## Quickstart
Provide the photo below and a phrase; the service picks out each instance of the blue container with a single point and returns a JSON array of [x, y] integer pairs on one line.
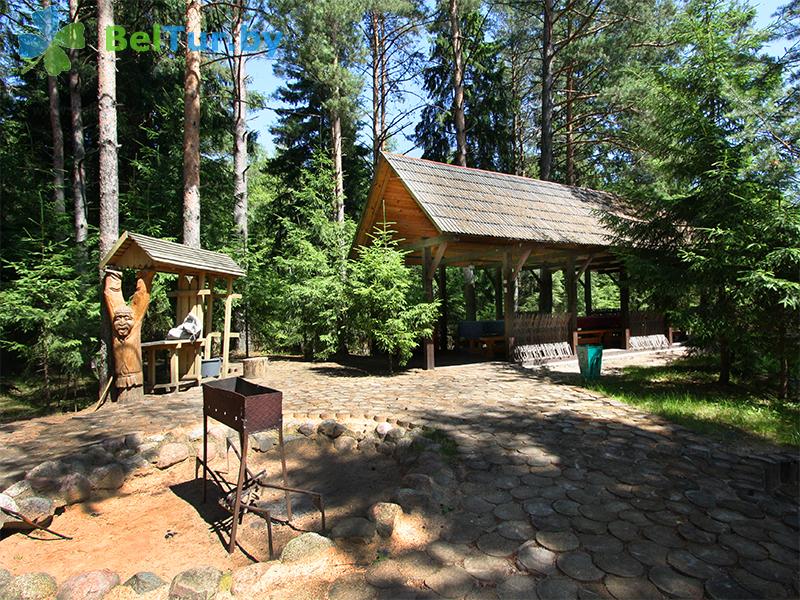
[[211, 367], [590, 360]]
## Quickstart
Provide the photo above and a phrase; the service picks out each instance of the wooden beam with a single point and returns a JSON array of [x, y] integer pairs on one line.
[[431, 241], [526, 252], [572, 295], [508, 304], [586, 265], [587, 291], [437, 258]]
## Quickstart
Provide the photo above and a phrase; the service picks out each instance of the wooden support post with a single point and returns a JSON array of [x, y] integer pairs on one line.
[[208, 325], [510, 281], [443, 315], [571, 285], [226, 332], [624, 307], [498, 294], [545, 290], [427, 284], [587, 291]]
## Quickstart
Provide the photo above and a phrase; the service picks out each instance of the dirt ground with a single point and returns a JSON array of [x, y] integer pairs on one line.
[[157, 522]]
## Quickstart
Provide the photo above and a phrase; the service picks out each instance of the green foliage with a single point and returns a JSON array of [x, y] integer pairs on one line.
[[711, 214], [379, 286], [487, 105], [44, 310]]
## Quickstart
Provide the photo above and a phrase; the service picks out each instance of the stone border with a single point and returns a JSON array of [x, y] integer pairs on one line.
[[107, 465]]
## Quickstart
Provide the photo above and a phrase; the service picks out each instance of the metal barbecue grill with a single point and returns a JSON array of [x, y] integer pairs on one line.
[[247, 408]]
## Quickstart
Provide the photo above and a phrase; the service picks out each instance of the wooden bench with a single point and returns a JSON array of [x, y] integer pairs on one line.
[[490, 343]]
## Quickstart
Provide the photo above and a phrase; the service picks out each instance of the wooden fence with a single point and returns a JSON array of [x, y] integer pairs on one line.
[[647, 323], [540, 328]]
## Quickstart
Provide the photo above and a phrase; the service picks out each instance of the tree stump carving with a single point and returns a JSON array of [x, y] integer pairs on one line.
[[126, 322]]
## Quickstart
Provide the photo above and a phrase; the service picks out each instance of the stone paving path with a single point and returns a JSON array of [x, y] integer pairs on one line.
[[564, 494]]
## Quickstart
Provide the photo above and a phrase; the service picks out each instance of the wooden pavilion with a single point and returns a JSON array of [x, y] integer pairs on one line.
[[204, 278], [447, 215]]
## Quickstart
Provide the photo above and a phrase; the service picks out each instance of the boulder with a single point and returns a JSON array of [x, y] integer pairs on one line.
[[75, 488], [414, 500], [37, 508], [7, 502], [134, 440], [262, 441], [149, 451], [246, 581], [345, 443], [107, 477], [45, 476], [98, 455], [383, 429], [386, 448], [395, 434], [19, 490], [114, 444], [355, 530], [307, 429], [144, 582], [88, 586], [31, 586], [307, 546], [384, 515], [195, 584], [171, 454], [331, 428]]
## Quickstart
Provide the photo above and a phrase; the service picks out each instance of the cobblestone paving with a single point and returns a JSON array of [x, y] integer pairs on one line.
[[563, 494]]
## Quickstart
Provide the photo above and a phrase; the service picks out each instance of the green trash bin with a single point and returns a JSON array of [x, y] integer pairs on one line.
[[590, 359]]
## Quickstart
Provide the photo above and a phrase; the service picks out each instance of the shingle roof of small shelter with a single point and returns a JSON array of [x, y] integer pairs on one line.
[[137, 251], [465, 201]]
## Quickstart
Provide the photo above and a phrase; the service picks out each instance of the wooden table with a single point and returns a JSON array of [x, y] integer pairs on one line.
[[171, 346]]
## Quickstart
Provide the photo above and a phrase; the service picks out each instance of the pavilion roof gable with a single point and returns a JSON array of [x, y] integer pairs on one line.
[[137, 251], [473, 202]]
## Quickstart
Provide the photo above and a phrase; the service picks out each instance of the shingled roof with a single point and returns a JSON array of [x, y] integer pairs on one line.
[[137, 251], [473, 202]]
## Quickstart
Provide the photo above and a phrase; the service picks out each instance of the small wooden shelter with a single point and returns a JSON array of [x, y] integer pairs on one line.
[[204, 278], [447, 215]]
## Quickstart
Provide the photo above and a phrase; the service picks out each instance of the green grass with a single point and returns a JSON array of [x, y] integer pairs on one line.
[[686, 392]]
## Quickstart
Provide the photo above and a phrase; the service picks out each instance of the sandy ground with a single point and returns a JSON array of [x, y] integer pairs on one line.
[[157, 522]]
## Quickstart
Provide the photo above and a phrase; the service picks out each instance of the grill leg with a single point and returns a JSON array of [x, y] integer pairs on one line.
[[237, 502], [205, 454], [285, 476]]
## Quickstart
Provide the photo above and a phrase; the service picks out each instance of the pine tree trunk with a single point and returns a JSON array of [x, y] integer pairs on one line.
[[376, 86], [240, 130], [336, 142], [78, 150], [570, 142], [546, 141], [725, 360], [517, 121], [108, 173], [461, 136], [57, 134], [458, 85], [191, 130], [384, 80]]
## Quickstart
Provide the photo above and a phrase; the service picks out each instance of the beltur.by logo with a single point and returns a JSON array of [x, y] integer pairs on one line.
[[253, 41], [49, 41]]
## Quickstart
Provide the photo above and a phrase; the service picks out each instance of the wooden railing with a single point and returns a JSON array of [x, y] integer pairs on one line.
[[647, 323], [540, 328]]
